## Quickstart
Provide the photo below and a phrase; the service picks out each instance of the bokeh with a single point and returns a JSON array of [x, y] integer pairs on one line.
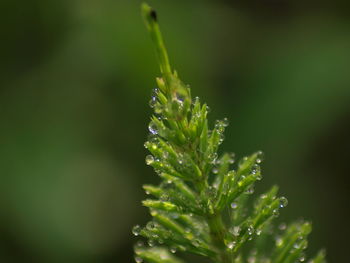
[[75, 80]]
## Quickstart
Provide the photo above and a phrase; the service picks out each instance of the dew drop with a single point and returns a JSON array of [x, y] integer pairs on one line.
[[149, 159], [250, 230], [155, 92], [275, 213], [231, 245], [153, 101], [260, 156], [234, 205], [221, 138], [180, 97], [258, 232], [283, 202], [164, 197], [138, 259], [152, 127], [279, 241], [305, 245], [235, 231], [252, 259], [195, 242], [136, 230], [225, 122], [282, 226], [213, 157], [151, 242], [173, 250], [158, 108], [165, 155], [140, 243], [150, 225], [250, 190]]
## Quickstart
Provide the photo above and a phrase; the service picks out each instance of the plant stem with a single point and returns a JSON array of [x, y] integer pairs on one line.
[[150, 18], [217, 233]]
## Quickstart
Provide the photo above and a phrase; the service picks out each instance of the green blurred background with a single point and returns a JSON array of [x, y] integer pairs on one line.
[[76, 77]]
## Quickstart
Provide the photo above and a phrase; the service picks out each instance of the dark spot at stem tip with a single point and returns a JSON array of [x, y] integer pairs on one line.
[[153, 14]]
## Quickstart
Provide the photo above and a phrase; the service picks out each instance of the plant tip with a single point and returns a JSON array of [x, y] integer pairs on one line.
[[149, 14]]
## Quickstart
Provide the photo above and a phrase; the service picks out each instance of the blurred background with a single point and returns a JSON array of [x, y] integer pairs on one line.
[[75, 81]]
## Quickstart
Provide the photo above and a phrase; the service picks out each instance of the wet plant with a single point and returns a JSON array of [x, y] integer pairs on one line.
[[202, 205]]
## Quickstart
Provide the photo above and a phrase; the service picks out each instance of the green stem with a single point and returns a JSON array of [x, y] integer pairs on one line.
[[217, 233], [150, 18]]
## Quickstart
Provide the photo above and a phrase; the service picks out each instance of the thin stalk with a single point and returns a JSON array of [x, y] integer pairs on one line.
[[217, 233], [150, 17]]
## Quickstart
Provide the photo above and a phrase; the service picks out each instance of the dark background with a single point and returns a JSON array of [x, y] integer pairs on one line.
[[75, 81]]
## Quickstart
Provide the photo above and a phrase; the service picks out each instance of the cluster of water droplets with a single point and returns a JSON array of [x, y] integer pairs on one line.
[[220, 126]]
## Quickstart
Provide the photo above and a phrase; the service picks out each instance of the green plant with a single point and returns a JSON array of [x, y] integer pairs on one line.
[[201, 205]]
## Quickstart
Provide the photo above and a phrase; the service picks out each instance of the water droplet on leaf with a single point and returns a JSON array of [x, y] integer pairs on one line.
[[152, 127], [149, 159], [136, 230]]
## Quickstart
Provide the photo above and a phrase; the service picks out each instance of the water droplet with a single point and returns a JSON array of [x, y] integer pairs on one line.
[[150, 225], [152, 127], [225, 122], [195, 242], [260, 155], [250, 230], [275, 213], [149, 159], [221, 138], [283, 202], [158, 108], [234, 205], [305, 244], [215, 170], [174, 215], [263, 196], [231, 245], [282, 226], [151, 242], [250, 190], [279, 241], [155, 92], [140, 243], [164, 197], [258, 232], [296, 245], [173, 250], [180, 97], [212, 157], [138, 259], [136, 230], [236, 230], [196, 100], [252, 259], [153, 102]]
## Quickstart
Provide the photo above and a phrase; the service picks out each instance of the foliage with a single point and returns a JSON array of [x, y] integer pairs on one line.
[[202, 204]]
